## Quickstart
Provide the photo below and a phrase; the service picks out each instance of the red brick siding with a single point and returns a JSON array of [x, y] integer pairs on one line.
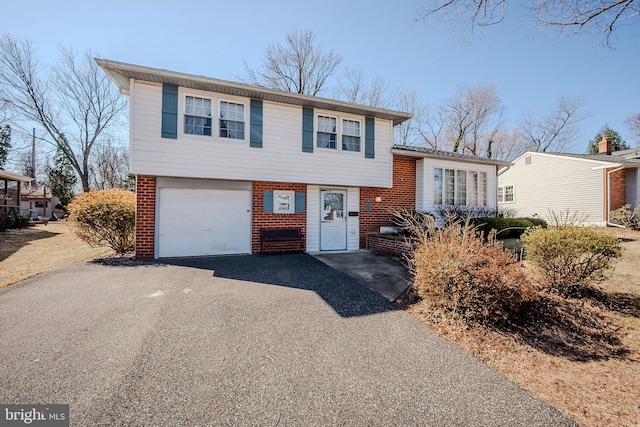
[[145, 216], [272, 220], [402, 195], [618, 182], [394, 245]]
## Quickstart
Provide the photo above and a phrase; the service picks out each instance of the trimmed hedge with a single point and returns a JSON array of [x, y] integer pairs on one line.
[[105, 217], [513, 227]]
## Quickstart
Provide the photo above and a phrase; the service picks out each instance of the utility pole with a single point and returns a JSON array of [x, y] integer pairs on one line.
[[34, 184]]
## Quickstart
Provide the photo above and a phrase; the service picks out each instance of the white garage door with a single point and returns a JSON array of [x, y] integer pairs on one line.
[[195, 222]]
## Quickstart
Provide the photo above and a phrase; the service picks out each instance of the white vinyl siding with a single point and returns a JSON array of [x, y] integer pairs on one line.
[[556, 183], [280, 159]]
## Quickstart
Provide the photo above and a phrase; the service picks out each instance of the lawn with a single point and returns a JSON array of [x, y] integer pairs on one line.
[[583, 358], [33, 250]]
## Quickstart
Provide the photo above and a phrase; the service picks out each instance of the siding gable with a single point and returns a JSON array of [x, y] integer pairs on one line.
[[169, 111]]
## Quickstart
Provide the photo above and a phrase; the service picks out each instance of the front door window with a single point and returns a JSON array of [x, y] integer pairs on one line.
[[333, 206]]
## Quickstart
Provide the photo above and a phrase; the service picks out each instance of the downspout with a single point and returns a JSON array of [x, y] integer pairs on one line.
[[607, 222]]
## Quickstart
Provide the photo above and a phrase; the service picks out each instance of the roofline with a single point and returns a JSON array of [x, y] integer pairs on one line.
[[436, 155], [570, 156], [121, 73], [14, 177]]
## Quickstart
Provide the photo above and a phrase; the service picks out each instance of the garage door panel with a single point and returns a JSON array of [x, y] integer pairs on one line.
[[203, 222]]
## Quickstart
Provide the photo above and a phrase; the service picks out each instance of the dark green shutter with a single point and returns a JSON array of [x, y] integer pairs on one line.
[[299, 202], [369, 138], [169, 111], [255, 135], [307, 130], [267, 201]]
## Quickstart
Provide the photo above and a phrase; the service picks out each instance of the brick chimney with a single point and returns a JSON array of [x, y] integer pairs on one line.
[[604, 146]]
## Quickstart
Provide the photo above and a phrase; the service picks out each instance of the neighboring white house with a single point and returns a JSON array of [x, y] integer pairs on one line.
[[588, 185], [39, 203], [217, 161]]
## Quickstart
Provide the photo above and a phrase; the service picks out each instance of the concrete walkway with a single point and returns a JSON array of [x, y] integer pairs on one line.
[[384, 274], [276, 340]]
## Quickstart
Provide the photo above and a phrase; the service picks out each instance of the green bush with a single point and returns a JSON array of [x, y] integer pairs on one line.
[[506, 228], [570, 258], [460, 272], [105, 217], [16, 220]]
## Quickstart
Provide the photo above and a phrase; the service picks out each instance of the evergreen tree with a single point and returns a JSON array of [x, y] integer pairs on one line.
[[62, 179], [5, 144], [617, 143]]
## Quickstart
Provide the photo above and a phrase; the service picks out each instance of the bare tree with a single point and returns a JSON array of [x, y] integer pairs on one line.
[[633, 124], [408, 132], [297, 65], [74, 103], [109, 165], [555, 131], [431, 127], [352, 87], [507, 145], [472, 119], [599, 16]]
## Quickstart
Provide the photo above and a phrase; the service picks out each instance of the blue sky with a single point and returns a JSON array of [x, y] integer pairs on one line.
[[529, 65]]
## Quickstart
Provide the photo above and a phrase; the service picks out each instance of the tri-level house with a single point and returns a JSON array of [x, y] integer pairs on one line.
[[217, 161]]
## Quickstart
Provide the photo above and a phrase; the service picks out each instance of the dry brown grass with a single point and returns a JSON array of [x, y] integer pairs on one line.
[[581, 357], [34, 250]]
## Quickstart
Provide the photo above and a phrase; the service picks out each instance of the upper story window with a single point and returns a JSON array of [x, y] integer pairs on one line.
[[199, 113], [197, 116], [350, 135], [327, 132], [231, 120]]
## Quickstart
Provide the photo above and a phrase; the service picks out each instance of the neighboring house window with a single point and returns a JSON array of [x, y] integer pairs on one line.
[[197, 116], [459, 187], [500, 194], [283, 202], [327, 132], [350, 135], [231, 120], [527, 160], [509, 194]]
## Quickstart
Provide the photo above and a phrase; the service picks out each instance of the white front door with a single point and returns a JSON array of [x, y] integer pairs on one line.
[[333, 220]]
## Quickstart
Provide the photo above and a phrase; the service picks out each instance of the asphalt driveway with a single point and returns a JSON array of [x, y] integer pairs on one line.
[[275, 340]]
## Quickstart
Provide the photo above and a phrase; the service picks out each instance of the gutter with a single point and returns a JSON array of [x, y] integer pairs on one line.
[[503, 170]]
